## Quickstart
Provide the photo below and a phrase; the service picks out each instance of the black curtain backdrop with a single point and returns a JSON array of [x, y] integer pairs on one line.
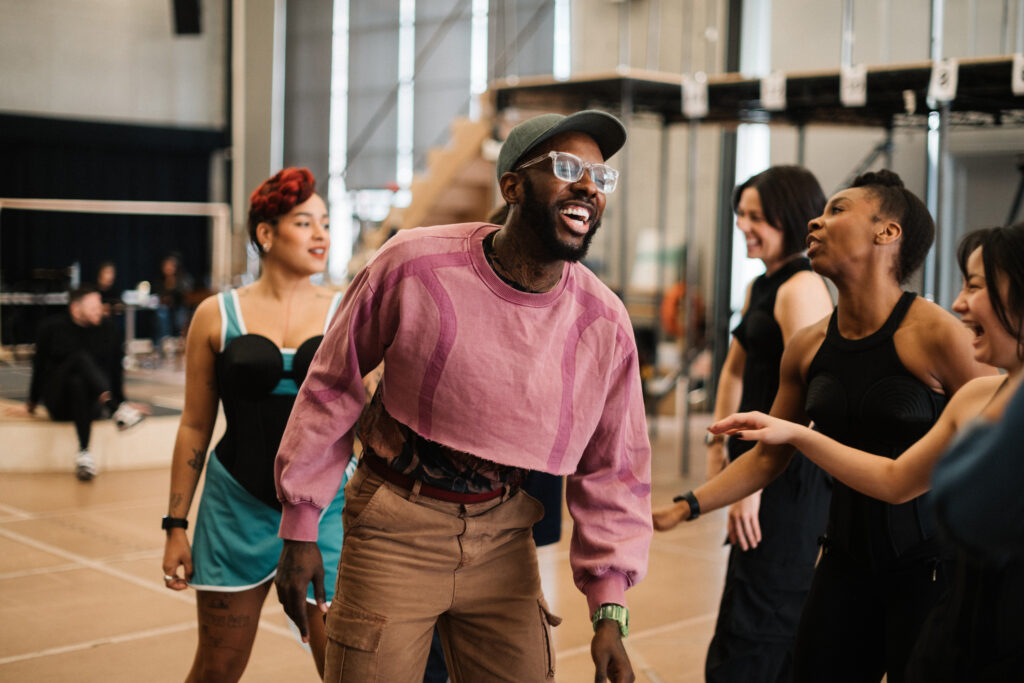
[[68, 159]]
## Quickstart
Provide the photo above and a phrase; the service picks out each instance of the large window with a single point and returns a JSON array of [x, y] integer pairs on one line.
[[402, 72]]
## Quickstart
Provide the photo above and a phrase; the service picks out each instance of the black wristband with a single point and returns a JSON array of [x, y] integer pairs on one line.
[[169, 523], [691, 500]]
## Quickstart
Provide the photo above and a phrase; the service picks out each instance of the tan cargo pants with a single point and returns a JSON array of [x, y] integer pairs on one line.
[[410, 561]]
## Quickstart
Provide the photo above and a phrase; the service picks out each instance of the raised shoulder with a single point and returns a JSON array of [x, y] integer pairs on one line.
[[972, 398], [206, 322], [413, 243], [804, 282], [936, 348], [746, 297], [928, 312], [802, 300]]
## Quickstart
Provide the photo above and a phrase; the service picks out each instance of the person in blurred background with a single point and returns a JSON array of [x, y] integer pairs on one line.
[[76, 374], [171, 287], [106, 276]]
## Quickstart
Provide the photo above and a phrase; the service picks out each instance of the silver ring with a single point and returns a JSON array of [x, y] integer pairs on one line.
[[168, 578]]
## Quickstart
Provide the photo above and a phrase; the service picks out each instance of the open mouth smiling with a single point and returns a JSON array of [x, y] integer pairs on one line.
[[576, 217], [974, 327]]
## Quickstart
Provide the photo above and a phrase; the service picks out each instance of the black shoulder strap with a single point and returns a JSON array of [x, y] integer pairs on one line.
[[899, 312]]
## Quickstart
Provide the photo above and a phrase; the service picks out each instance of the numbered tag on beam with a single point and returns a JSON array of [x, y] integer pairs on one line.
[[853, 85], [773, 91], [942, 87], [695, 96], [1017, 80]]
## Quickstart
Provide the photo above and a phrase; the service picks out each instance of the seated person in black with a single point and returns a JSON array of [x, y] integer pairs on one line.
[[76, 372], [874, 375]]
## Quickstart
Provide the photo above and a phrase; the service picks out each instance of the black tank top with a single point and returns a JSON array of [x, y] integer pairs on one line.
[[761, 337], [860, 394]]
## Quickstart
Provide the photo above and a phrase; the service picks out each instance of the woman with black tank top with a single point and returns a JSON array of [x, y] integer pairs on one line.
[[875, 375], [974, 634], [249, 349], [773, 532]]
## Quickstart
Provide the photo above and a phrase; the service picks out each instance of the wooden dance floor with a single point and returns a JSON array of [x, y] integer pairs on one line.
[[82, 599]]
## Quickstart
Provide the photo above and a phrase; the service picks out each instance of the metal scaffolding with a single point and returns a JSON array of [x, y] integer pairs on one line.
[[897, 96]]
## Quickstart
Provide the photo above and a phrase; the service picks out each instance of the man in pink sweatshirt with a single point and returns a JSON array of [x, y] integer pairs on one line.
[[502, 354]]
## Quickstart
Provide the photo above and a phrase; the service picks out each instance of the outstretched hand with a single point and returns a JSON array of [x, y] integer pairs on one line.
[[670, 516], [299, 565], [756, 426], [611, 663]]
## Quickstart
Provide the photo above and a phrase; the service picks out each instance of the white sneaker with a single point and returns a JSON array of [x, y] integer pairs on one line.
[[85, 466], [126, 416]]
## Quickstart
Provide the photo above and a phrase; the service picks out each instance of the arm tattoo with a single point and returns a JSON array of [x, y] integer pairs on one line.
[[176, 500], [196, 463]]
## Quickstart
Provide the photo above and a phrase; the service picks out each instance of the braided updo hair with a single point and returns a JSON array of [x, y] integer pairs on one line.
[[276, 196], [896, 201]]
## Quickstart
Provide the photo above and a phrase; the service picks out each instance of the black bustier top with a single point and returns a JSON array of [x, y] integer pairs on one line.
[[257, 383], [860, 394]]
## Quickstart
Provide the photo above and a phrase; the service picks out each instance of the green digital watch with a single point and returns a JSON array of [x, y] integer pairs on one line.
[[616, 613]]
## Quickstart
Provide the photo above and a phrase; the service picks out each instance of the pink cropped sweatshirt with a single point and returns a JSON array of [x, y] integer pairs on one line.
[[544, 381]]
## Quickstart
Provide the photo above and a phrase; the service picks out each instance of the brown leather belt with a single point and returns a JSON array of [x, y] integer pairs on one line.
[[379, 467]]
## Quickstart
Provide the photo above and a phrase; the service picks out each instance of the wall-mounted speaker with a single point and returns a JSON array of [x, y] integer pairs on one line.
[[186, 17]]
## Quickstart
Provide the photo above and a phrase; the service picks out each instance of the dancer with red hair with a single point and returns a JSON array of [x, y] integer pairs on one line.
[[249, 349]]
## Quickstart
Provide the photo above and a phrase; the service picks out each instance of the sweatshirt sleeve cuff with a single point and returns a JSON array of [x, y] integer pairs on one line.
[[299, 521], [611, 587]]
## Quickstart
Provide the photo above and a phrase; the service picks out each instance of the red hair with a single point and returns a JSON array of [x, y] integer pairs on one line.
[[278, 195]]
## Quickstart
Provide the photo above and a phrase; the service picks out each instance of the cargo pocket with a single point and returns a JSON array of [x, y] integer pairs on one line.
[[359, 503], [353, 644], [534, 511], [547, 622]]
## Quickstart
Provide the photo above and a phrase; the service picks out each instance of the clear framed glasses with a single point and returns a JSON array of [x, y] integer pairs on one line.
[[570, 168]]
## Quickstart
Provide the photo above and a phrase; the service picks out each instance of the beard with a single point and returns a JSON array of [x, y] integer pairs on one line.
[[543, 220]]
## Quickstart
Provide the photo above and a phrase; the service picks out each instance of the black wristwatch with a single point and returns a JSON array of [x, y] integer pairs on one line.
[[169, 523], [691, 500]]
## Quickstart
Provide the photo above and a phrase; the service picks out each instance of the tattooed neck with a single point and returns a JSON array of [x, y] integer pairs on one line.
[[519, 274]]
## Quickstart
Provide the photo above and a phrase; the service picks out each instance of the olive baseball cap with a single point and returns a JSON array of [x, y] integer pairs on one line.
[[607, 131]]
